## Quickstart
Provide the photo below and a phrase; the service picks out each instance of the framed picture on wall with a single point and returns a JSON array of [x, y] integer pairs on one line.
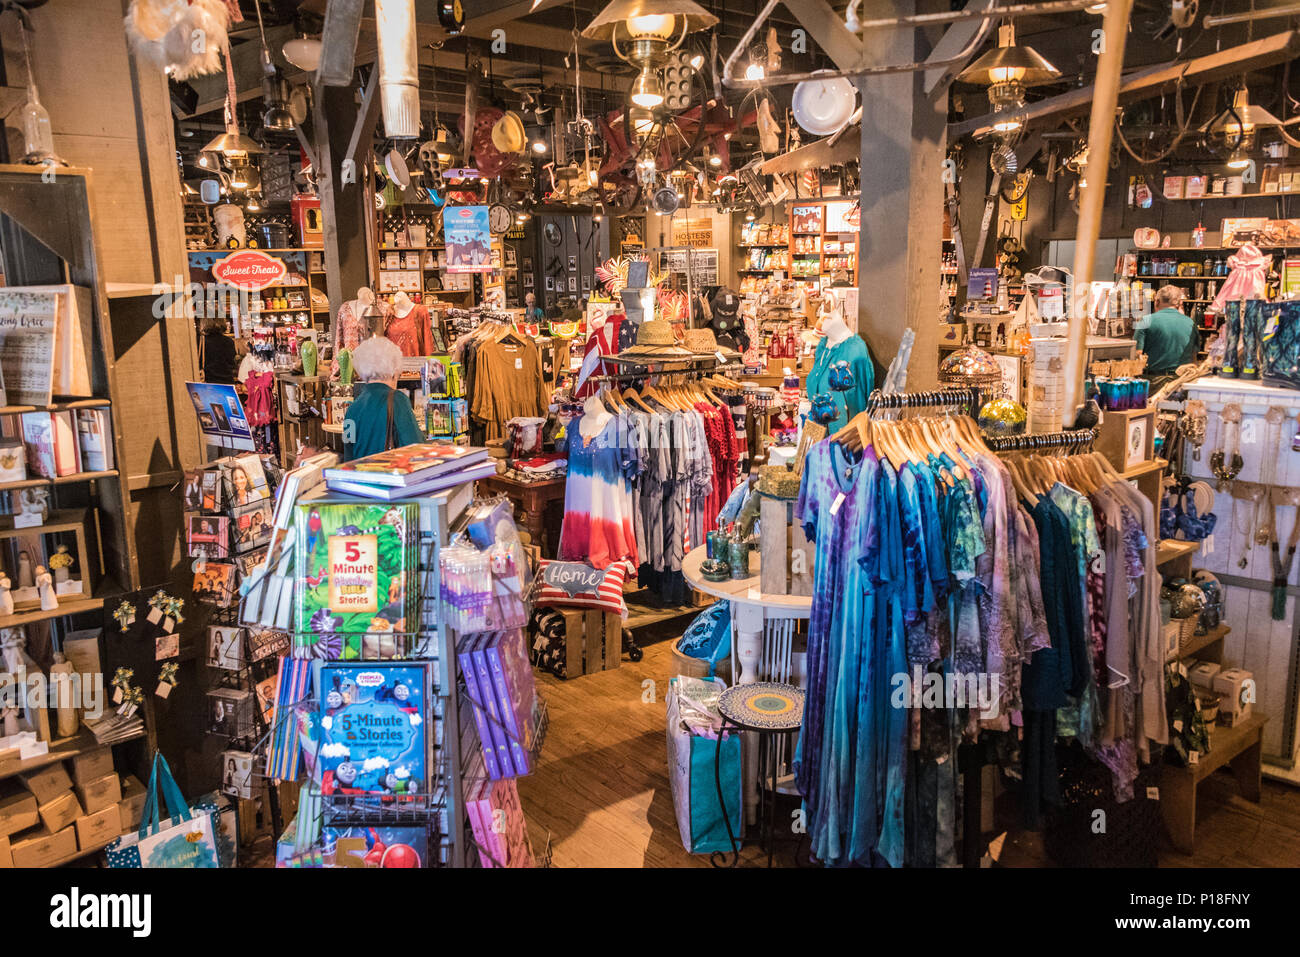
[[510, 255]]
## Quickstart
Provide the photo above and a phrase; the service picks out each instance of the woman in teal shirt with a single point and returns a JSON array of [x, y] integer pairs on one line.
[[380, 417]]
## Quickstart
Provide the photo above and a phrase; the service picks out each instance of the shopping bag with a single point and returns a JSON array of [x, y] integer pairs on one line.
[[185, 840], [694, 786]]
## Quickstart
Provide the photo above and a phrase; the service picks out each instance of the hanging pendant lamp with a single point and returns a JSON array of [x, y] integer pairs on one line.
[[232, 144]]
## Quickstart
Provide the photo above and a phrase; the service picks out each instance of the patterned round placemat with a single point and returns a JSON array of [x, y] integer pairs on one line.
[[763, 706]]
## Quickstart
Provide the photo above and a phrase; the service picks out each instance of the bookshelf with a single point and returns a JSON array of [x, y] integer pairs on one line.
[[48, 236]]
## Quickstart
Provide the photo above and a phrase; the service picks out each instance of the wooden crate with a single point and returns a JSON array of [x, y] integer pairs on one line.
[[593, 641]]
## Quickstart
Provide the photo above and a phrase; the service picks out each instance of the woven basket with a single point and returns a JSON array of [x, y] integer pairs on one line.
[[1132, 828]]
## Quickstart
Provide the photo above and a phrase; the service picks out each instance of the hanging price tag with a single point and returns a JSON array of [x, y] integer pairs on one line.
[[835, 505]]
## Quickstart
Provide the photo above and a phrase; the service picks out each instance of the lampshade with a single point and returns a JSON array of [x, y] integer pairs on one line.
[[648, 17], [232, 143], [303, 52], [1009, 63], [1251, 117]]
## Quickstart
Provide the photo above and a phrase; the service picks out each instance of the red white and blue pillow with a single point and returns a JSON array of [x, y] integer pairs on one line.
[[578, 585]]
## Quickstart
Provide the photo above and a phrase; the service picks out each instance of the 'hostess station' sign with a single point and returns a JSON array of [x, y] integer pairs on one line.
[[249, 269]]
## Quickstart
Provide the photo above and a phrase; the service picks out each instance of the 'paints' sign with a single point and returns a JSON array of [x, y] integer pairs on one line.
[[249, 269]]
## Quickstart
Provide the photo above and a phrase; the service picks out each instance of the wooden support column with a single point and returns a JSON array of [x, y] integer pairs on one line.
[[1100, 127], [904, 139], [343, 205]]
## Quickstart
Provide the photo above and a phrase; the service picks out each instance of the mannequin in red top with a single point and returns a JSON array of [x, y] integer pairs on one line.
[[410, 327]]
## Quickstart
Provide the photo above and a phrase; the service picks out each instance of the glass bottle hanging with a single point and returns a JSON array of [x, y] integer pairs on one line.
[[37, 132]]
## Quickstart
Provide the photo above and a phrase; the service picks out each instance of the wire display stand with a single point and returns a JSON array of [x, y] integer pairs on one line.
[[453, 740]]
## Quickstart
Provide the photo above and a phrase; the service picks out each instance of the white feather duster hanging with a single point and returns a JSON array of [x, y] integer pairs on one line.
[[186, 37]]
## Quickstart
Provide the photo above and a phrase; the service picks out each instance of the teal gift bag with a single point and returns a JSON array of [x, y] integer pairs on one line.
[[187, 839], [694, 785]]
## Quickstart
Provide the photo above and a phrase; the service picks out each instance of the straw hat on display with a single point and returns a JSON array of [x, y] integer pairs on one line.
[[703, 342], [654, 341]]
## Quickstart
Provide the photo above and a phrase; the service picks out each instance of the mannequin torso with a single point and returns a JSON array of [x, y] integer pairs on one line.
[[594, 419]]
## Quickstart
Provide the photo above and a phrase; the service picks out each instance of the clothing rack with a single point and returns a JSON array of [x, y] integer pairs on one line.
[[638, 376], [1074, 442], [965, 398]]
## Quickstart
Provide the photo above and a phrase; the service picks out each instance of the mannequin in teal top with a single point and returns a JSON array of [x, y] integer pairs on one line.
[[839, 344]]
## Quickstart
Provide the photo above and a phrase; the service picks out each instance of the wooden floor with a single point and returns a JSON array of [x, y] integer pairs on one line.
[[600, 794]]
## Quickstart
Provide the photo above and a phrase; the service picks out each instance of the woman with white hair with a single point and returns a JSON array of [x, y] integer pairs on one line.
[[380, 417]]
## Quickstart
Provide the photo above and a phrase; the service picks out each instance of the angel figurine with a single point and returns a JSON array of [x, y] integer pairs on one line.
[[45, 586]]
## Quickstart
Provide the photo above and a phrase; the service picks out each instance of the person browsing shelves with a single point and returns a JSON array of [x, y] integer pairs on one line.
[[380, 417]]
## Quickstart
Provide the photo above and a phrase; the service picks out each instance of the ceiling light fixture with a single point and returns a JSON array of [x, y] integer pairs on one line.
[[1233, 130], [1007, 70], [647, 90], [651, 29], [303, 52]]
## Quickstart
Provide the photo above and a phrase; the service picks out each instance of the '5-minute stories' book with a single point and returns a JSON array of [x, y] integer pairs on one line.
[[356, 569], [373, 722]]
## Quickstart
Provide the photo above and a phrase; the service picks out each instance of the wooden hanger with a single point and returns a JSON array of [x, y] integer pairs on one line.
[[633, 397]]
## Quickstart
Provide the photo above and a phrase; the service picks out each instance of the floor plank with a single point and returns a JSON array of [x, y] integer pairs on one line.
[[600, 793]]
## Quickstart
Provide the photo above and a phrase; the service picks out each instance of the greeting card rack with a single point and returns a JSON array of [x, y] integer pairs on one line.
[[246, 678]]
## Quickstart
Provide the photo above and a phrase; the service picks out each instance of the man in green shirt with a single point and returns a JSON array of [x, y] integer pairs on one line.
[[1166, 336]]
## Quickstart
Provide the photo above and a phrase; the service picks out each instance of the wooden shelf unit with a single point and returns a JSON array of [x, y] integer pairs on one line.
[[49, 238]]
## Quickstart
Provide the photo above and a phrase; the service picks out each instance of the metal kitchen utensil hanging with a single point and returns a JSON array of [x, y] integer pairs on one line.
[[665, 200], [822, 106]]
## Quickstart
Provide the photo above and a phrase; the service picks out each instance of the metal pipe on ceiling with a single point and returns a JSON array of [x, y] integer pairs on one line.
[[1224, 19], [1014, 10]]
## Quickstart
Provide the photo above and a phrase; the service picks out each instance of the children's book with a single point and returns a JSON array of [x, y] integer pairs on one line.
[[408, 465], [373, 728], [375, 846], [356, 574]]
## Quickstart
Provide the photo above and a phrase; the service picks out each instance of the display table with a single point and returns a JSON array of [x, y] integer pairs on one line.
[[763, 632], [534, 498], [1240, 748]]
